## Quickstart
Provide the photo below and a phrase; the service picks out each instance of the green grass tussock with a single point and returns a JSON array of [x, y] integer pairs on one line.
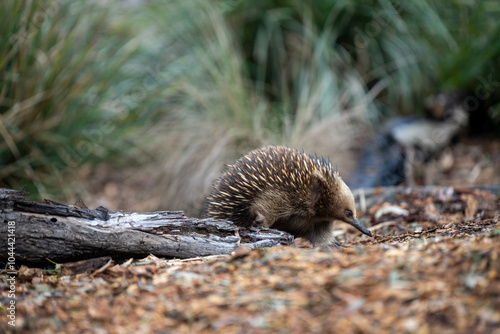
[[60, 74]]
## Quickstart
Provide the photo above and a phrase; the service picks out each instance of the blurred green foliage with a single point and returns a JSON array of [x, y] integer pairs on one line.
[[83, 83], [61, 75], [413, 48]]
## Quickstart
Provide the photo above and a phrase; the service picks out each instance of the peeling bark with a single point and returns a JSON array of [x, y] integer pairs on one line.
[[70, 233]]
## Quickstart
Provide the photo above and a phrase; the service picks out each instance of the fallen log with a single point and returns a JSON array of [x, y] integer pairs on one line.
[[61, 233]]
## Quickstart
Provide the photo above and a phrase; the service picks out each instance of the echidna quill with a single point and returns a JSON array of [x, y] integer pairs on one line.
[[285, 189]]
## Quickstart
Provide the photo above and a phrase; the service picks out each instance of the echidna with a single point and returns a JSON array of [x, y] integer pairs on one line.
[[287, 190]]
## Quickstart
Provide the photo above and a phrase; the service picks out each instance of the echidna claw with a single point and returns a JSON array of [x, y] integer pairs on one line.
[[337, 245]]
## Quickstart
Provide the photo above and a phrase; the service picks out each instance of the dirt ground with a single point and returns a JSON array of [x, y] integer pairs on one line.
[[433, 266]]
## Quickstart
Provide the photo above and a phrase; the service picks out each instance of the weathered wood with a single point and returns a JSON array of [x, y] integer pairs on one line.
[[68, 233]]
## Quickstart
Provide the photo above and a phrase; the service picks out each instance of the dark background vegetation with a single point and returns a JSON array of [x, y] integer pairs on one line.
[[146, 100]]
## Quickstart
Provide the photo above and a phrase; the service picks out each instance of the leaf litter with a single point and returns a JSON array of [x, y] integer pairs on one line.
[[433, 265]]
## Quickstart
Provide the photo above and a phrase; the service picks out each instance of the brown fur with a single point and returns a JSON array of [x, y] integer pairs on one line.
[[285, 189]]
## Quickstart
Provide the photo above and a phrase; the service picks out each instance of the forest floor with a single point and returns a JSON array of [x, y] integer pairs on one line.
[[433, 266]]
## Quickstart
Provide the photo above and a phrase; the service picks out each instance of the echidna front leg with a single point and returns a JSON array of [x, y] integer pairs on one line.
[[267, 207], [259, 220]]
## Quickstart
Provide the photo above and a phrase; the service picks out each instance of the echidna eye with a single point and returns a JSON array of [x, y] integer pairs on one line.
[[348, 213]]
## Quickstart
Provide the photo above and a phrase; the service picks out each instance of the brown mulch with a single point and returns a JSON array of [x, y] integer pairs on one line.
[[433, 266]]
